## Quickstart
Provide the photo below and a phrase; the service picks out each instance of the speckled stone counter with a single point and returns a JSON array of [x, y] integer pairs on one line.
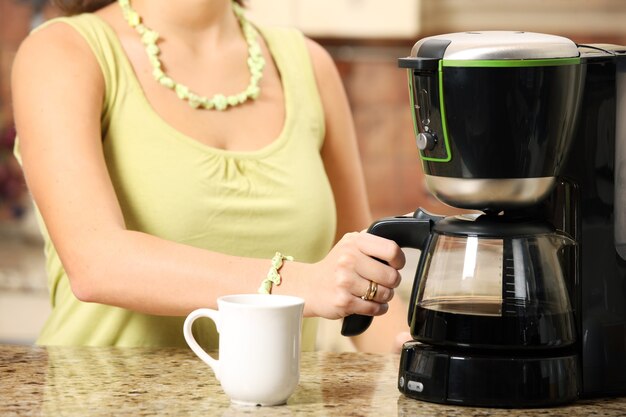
[[144, 382]]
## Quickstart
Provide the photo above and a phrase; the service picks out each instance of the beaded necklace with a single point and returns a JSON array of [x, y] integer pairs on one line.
[[220, 102]]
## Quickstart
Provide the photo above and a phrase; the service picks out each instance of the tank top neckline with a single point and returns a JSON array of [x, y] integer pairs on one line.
[[278, 142]]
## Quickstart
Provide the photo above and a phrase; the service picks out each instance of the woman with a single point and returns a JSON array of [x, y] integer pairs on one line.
[[172, 149]]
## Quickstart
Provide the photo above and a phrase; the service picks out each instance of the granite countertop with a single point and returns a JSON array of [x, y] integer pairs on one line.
[[62, 381]]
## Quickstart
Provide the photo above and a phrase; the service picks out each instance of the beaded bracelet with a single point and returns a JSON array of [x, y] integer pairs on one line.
[[273, 277]]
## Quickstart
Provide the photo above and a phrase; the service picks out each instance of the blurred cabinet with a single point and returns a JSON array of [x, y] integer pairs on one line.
[[581, 20], [342, 18]]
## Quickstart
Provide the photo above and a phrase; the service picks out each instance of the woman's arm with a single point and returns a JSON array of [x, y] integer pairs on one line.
[[340, 151], [343, 166], [58, 93]]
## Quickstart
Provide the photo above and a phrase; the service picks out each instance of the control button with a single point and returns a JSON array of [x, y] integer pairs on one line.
[[426, 141], [415, 386], [401, 382]]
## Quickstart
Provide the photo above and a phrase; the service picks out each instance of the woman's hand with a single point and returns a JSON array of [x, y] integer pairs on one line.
[[344, 276]]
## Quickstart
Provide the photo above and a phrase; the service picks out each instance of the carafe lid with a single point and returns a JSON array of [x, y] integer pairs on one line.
[[492, 226], [494, 45]]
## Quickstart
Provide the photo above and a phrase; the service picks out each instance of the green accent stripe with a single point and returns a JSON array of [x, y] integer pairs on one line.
[[444, 119], [510, 62]]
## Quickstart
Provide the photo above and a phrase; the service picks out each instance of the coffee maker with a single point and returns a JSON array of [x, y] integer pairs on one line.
[[521, 303]]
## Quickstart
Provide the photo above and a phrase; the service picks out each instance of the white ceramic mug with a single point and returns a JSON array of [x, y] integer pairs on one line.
[[259, 346]]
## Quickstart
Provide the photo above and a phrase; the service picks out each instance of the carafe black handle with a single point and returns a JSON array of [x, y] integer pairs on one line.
[[407, 232]]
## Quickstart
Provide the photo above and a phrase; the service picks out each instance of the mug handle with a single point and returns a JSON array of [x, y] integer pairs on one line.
[[191, 341]]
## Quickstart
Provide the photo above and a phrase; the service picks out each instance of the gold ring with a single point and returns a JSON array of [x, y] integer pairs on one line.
[[374, 286], [371, 291]]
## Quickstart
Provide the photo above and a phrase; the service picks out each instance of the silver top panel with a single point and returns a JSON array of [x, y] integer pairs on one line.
[[489, 45]]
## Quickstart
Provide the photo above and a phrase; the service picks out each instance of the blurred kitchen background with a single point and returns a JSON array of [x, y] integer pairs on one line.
[[365, 37]]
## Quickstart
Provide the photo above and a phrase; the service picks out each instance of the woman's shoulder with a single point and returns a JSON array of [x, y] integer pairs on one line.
[[319, 55], [67, 28], [292, 38], [54, 50], [79, 43], [322, 62], [58, 39]]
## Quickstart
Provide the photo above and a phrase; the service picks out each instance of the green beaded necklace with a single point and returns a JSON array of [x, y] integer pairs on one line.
[[220, 102]]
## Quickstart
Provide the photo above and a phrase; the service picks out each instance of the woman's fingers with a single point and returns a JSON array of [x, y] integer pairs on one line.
[[361, 274], [381, 294], [380, 248]]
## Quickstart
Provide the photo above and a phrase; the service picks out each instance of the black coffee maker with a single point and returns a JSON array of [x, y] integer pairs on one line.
[[523, 304]]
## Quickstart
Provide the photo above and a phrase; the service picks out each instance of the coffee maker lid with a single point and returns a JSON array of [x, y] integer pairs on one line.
[[494, 45]]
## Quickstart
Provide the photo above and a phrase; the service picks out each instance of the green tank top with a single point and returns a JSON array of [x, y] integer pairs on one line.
[[169, 185]]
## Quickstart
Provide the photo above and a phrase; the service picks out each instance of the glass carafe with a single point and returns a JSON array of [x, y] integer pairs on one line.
[[490, 282]]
